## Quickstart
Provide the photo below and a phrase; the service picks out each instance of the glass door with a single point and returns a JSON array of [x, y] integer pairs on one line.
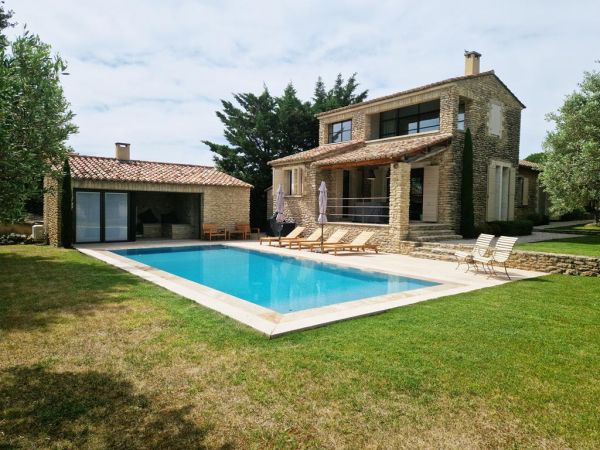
[[116, 217], [87, 216]]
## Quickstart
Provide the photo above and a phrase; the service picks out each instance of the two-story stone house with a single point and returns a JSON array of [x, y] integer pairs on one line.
[[393, 164]]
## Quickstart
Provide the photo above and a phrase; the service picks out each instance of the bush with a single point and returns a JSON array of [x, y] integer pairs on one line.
[[538, 219], [578, 214], [506, 227]]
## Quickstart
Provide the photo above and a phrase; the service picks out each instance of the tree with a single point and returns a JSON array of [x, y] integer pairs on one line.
[[537, 158], [260, 128], [571, 170], [66, 208], [467, 216], [35, 119]]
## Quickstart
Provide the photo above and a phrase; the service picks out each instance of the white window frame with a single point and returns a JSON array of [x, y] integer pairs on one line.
[[293, 181]]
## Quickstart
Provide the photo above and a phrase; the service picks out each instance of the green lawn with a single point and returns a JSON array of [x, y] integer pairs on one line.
[[584, 246], [92, 357], [591, 228]]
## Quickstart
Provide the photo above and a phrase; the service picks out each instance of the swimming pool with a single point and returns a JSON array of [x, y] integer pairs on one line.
[[281, 283]]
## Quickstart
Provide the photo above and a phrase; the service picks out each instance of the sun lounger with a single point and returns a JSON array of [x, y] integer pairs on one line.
[[314, 237], [359, 243], [294, 234], [335, 238], [481, 248], [500, 255]]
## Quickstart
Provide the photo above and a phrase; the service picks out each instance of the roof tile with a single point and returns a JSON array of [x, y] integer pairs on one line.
[[136, 171]]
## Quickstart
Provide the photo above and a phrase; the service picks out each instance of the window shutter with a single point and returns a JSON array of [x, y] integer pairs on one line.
[[525, 200], [491, 197]]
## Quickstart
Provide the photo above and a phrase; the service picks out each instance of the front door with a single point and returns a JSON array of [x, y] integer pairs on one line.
[[416, 194]]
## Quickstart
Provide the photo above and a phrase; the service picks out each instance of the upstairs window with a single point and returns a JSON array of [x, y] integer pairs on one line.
[[340, 131], [460, 120], [410, 120]]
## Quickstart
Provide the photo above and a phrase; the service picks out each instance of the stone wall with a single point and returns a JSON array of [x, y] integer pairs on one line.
[[555, 263], [52, 214], [526, 260]]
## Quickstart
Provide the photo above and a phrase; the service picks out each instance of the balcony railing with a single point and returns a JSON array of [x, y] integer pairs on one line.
[[359, 209]]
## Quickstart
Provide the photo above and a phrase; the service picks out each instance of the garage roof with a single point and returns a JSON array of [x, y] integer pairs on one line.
[[136, 171]]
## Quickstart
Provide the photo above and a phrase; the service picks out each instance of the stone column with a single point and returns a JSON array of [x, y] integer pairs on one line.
[[399, 203]]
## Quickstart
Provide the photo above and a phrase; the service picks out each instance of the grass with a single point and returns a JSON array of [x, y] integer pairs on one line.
[[590, 228], [92, 357], [583, 246]]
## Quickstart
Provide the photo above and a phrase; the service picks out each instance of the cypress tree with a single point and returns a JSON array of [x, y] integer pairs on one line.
[[467, 215], [66, 209]]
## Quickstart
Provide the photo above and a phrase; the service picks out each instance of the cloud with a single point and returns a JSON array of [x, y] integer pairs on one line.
[[153, 73]]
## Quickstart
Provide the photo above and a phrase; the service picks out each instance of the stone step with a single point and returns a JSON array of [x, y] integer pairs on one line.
[[436, 237], [429, 226], [428, 255], [436, 232]]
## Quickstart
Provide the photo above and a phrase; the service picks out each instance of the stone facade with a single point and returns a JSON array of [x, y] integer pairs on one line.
[[533, 200], [483, 96], [52, 213], [223, 205]]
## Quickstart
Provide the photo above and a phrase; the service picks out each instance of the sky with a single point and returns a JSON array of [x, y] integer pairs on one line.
[[152, 73]]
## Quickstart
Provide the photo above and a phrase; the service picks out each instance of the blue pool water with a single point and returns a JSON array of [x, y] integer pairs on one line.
[[280, 283]]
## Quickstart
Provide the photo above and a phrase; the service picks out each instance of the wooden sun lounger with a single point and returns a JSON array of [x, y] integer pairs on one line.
[[294, 234], [359, 243], [314, 237], [335, 238]]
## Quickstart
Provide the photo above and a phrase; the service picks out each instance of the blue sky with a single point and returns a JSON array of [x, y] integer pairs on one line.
[[152, 73]]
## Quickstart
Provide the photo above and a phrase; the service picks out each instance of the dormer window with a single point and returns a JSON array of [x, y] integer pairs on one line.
[[410, 120], [340, 131]]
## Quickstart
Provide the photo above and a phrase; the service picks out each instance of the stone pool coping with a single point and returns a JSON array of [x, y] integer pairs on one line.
[[273, 323]]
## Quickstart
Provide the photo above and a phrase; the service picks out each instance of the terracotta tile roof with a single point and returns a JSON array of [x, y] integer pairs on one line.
[[421, 88], [318, 152], [388, 150], [135, 171], [530, 165]]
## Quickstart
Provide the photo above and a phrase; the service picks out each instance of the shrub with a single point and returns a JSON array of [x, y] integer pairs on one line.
[[521, 227], [538, 219]]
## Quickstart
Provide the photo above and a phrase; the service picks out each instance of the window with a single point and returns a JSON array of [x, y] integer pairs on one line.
[[460, 120], [340, 131], [410, 120], [292, 181], [501, 191], [519, 192], [495, 119]]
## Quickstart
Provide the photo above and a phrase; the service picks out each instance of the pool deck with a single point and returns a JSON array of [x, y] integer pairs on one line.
[[272, 323]]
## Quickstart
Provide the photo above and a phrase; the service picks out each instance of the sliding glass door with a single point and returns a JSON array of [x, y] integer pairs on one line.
[[101, 216], [115, 216], [87, 216]]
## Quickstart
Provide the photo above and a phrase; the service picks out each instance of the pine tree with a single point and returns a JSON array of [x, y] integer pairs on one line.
[[467, 226], [262, 128], [66, 208]]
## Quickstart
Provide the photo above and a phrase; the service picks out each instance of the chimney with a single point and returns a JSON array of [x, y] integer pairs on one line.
[[472, 62], [122, 151]]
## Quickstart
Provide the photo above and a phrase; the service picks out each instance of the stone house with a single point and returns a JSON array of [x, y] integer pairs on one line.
[[393, 164], [120, 199]]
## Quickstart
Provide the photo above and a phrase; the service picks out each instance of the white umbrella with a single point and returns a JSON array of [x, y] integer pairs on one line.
[[279, 207], [322, 219]]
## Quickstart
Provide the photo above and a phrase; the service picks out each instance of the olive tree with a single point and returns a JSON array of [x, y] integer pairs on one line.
[[571, 166], [35, 118]]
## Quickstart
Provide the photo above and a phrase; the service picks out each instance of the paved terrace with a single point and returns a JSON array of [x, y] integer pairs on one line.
[[271, 323]]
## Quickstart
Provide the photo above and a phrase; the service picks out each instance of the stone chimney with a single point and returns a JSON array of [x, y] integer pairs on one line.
[[122, 151], [472, 62]]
